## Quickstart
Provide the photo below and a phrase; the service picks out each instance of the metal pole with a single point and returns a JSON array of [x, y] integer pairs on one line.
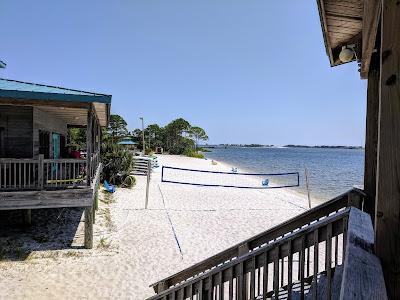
[[144, 145], [307, 187], [148, 183]]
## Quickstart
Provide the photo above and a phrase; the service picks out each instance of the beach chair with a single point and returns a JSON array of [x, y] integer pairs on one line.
[[234, 170], [265, 182], [109, 187]]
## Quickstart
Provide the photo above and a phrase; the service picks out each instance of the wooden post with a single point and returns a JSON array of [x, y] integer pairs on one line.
[[387, 215], [89, 141], [27, 217], [89, 227], [371, 137], [148, 183], [307, 187], [40, 172], [94, 213]]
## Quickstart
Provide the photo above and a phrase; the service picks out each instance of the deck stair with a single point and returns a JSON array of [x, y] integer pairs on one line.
[[332, 243], [141, 167]]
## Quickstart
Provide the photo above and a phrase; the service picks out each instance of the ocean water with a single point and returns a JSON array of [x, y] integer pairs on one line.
[[330, 171]]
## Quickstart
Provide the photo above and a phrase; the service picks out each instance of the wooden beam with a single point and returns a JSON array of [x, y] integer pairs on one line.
[[46, 199], [387, 222], [372, 9], [89, 227], [371, 137]]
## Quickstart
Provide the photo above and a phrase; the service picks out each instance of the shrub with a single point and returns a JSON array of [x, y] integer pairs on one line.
[[129, 181], [117, 163], [148, 151], [192, 153]]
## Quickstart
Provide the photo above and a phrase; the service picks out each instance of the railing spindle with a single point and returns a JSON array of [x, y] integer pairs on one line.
[[302, 255], [230, 296], [276, 274], [316, 260], [253, 278], [328, 258], [290, 269], [265, 275]]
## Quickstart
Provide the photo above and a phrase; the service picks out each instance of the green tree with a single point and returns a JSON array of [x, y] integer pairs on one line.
[[77, 137], [117, 129], [174, 141], [154, 135], [197, 134], [117, 161]]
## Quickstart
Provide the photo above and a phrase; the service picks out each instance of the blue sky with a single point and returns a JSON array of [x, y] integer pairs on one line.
[[246, 71]]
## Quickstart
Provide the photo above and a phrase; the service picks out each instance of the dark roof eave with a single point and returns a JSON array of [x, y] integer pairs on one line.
[[106, 99]]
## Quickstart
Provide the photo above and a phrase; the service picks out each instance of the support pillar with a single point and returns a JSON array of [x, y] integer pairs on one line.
[[28, 217], [371, 136], [89, 143], [89, 227], [387, 215]]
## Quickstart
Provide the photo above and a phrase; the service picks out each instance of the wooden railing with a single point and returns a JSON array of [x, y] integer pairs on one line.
[[353, 197], [324, 260], [94, 163], [18, 174], [63, 173], [37, 174]]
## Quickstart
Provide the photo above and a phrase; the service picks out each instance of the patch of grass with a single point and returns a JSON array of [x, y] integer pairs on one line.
[[103, 243], [107, 198], [19, 252], [75, 254], [107, 218], [2, 254]]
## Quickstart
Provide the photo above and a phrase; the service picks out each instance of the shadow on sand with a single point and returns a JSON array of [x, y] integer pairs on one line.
[[50, 229]]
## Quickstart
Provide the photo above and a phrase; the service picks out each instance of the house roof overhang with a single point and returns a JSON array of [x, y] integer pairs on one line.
[[350, 23], [67, 104]]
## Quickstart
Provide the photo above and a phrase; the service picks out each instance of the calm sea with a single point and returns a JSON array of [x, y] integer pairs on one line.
[[330, 171]]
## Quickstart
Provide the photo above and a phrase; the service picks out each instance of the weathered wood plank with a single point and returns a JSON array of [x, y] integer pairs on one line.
[[371, 137], [362, 271], [46, 199], [89, 227], [371, 16], [387, 223]]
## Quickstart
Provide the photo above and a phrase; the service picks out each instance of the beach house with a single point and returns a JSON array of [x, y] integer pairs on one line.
[[348, 247], [37, 169]]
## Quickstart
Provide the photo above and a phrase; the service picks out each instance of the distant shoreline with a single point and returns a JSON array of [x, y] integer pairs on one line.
[[273, 146]]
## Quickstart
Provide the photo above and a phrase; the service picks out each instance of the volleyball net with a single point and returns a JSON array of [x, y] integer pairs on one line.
[[232, 179]]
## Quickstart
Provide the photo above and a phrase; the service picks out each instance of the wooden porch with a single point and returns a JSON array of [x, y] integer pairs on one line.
[[35, 170]]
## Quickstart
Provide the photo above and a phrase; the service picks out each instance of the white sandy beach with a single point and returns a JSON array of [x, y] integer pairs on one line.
[[135, 247]]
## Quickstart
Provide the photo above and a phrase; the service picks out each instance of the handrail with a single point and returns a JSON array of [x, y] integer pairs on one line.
[[355, 274], [244, 268], [353, 197], [362, 270]]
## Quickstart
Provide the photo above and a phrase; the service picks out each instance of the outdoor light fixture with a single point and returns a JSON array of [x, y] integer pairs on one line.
[[76, 118], [347, 54]]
